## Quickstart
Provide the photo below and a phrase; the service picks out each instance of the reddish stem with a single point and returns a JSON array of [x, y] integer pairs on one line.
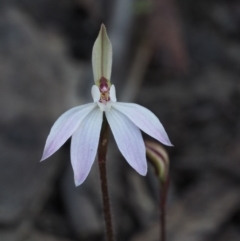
[[163, 200], [102, 153]]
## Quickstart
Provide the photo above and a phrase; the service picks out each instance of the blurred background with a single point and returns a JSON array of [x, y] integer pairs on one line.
[[180, 59]]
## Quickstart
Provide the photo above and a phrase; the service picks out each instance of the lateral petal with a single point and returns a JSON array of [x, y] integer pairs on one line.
[[95, 93], [113, 94], [145, 120], [129, 140], [84, 145], [64, 127]]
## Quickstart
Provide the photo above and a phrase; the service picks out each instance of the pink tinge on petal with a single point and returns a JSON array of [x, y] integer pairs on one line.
[[129, 140], [84, 145], [145, 120], [64, 127]]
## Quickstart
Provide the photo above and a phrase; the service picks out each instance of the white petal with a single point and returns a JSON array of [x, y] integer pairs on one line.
[[102, 56], [129, 140], [105, 107], [95, 93], [113, 93], [64, 127], [84, 145], [145, 120]]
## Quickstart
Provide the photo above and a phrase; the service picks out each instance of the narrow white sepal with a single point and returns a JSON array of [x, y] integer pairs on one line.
[[129, 140], [102, 56], [145, 120], [64, 127], [84, 145]]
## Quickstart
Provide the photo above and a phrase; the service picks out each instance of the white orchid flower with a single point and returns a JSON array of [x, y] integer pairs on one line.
[[84, 122]]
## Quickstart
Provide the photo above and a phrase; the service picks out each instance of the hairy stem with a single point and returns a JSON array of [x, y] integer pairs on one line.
[[102, 153]]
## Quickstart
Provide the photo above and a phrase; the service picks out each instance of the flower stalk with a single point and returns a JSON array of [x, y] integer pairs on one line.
[[158, 157], [102, 154], [163, 198]]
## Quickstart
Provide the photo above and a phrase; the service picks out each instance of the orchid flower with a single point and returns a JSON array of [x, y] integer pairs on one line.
[[84, 122]]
